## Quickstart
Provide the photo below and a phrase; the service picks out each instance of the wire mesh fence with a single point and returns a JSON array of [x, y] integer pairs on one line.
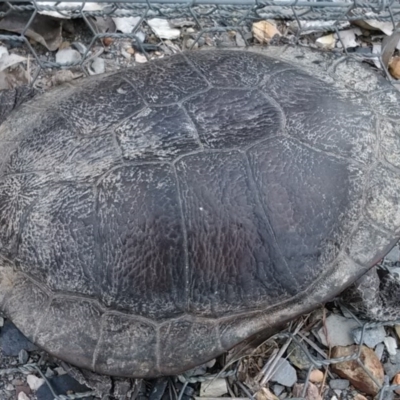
[[205, 19], [36, 26]]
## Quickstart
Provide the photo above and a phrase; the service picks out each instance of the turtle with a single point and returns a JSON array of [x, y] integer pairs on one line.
[[153, 218]]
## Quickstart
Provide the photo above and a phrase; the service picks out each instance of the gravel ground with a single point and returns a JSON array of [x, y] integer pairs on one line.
[[278, 368]]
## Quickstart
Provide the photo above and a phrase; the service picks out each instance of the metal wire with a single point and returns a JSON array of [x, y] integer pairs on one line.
[[208, 16]]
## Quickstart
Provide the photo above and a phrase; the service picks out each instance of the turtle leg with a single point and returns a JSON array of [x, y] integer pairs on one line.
[[375, 296], [12, 98]]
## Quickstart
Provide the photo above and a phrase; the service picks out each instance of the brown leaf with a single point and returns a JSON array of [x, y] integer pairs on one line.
[[43, 29]]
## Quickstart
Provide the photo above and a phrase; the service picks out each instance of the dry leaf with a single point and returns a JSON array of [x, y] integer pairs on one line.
[[43, 29], [264, 31]]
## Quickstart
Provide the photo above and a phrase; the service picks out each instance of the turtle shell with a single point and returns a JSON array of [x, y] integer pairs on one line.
[[154, 218]]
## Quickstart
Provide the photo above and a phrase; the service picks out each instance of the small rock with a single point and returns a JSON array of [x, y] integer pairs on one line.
[[265, 394], [284, 374], [359, 396], [140, 58], [34, 382], [126, 24], [98, 66], [3, 51], [371, 336], [354, 372], [214, 388], [9, 387], [190, 43], [130, 50], [380, 347], [1, 322], [67, 56], [12, 340], [394, 67], [348, 38], [339, 384], [312, 392], [49, 373], [393, 255], [326, 42], [80, 47], [297, 357], [162, 29], [22, 388], [396, 381], [339, 331], [125, 54], [391, 345], [239, 40], [23, 356], [392, 366], [22, 396], [264, 31], [62, 385], [316, 376], [60, 371], [107, 41], [278, 389]]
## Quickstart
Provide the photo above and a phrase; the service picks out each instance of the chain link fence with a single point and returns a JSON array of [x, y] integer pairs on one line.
[[205, 18], [24, 23]]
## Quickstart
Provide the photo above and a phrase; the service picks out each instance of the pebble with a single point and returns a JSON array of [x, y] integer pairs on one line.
[[339, 384], [297, 357], [285, 374], [380, 347], [312, 392], [23, 356], [278, 389], [359, 397], [392, 366], [396, 381], [140, 58], [1, 322], [61, 385], [371, 336], [339, 331], [66, 56], [393, 255], [9, 387], [3, 51], [316, 376], [98, 66], [391, 345], [80, 47], [22, 396], [60, 371], [12, 341], [34, 382], [354, 372]]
